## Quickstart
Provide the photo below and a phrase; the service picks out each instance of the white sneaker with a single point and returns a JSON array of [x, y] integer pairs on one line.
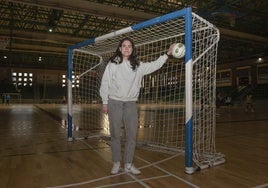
[[116, 168], [132, 169]]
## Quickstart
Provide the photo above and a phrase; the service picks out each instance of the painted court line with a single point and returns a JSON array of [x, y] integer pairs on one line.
[[261, 186], [128, 182], [110, 176], [167, 172]]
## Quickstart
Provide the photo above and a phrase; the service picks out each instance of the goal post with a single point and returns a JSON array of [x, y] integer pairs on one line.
[[176, 103], [188, 95]]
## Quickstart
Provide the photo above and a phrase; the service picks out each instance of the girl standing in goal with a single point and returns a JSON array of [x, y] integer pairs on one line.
[[119, 91]]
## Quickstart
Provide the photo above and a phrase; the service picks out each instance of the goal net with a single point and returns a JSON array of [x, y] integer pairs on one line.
[[176, 104]]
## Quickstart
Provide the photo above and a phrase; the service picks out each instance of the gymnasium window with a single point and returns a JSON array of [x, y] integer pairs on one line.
[[22, 78], [63, 84], [224, 78], [75, 81], [262, 74]]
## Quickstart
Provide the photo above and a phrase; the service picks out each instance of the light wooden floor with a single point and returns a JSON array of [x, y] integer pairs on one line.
[[34, 153]]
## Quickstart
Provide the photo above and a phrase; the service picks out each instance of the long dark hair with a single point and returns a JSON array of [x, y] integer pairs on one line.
[[118, 58]]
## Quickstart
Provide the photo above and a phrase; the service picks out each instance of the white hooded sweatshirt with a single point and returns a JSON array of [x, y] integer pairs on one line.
[[120, 82]]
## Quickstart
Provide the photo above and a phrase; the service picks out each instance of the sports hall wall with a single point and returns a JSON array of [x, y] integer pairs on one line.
[[49, 86], [239, 73], [33, 85]]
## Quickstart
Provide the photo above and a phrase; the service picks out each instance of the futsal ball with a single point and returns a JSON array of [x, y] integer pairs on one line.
[[178, 50]]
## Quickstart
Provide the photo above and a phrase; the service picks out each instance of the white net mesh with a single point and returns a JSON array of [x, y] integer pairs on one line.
[[162, 95]]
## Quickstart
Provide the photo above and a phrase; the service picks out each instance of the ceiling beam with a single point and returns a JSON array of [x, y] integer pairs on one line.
[[36, 51], [97, 9], [42, 37], [90, 8], [44, 49], [68, 41], [236, 35]]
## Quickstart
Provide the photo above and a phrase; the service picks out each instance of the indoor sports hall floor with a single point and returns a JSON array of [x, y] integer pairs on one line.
[[35, 153]]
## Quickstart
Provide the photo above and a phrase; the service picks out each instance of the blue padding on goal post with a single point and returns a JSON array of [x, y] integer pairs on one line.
[[69, 94], [188, 90]]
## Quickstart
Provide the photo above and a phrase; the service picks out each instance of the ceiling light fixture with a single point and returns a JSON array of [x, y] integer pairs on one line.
[[259, 60]]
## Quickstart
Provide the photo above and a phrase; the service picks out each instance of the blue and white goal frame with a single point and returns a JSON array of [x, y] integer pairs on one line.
[[188, 59]]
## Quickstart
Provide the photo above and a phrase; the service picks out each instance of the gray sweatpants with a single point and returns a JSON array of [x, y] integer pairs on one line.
[[123, 112]]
